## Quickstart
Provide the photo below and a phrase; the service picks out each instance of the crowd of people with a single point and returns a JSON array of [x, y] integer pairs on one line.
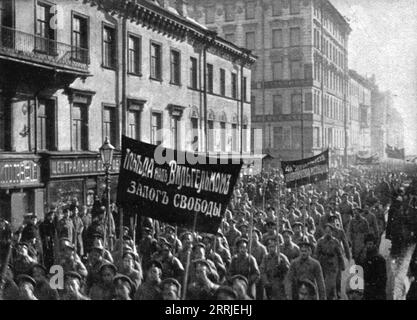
[[274, 243]]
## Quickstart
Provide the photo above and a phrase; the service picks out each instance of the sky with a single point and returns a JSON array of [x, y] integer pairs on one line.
[[384, 42]]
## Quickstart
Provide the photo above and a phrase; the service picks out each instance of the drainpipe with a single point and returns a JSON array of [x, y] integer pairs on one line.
[[124, 74]]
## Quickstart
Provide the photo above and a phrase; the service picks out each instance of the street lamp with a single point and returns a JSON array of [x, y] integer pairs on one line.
[[106, 152]]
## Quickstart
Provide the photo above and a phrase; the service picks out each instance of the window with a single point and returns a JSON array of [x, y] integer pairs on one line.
[[134, 59], [229, 37], [294, 37], [223, 136], [210, 14], [250, 10], [234, 85], [210, 78], [316, 137], [193, 73], [156, 128], [296, 138], [222, 82], [175, 121], [294, 6], [277, 7], [277, 104], [245, 89], [245, 138], [296, 103], [195, 141], [156, 61], [133, 129], [296, 69], [286, 143], [46, 125], [109, 124], [80, 39], [79, 127], [109, 47], [3, 122], [277, 71], [175, 67], [250, 40], [229, 12], [210, 135], [277, 38], [234, 137], [45, 35], [278, 138]]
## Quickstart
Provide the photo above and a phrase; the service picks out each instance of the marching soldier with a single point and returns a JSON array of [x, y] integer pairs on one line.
[[305, 267], [47, 234], [329, 254], [150, 288], [123, 287], [104, 289], [289, 248], [245, 264], [273, 272], [43, 290], [23, 262], [356, 232], [171, 266], [202, 288], [171, 289]]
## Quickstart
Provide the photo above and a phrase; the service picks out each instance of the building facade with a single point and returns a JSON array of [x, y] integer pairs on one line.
[[300, 80], [359, 117], [74, 72]]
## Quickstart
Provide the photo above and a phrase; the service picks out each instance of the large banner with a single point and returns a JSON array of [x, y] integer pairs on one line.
[[394, 152], [305, 171], [174, 186], [366, 161]]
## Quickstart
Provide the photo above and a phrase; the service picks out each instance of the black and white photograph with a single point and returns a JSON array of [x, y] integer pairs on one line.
[[208, 150]]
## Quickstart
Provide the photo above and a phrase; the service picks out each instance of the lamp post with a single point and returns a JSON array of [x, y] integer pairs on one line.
[[106, 152]]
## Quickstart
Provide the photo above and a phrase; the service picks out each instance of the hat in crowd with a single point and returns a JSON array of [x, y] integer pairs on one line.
[[25, 278], [72, 275], [297, 224], [169, 227], [184, 234], [208, 236], [155, 263], [203, 262], [127, 237], [305, 242], [172, 281], [147, 229], [332, 217], [329, 225], [129, 253], [239, 277], [258, 232], [108, 265], [125, 279], [98, 245], [270, 222], [200, 245], [66, 243], [241, 240], [287, 230], [164, 242], [227, 291], [311, 287]]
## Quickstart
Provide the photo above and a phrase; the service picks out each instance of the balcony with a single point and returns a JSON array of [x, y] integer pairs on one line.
[[28, 48]]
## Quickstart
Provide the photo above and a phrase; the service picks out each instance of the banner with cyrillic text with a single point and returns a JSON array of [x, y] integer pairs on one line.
[[305, 171], [175, 186]]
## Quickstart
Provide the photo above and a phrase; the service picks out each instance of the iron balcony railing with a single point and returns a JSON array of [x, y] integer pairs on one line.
[[31, 47]]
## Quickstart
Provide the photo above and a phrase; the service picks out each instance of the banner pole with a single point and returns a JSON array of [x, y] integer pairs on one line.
[[278, 223], [187, 266]]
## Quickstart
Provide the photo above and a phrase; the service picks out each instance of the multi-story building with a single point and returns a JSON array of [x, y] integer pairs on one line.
[[359, 117], [73, 72], [387, 124], [300, 80]]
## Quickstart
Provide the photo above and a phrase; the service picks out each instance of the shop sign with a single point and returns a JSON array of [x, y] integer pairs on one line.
[[19, 173], [80, 167]]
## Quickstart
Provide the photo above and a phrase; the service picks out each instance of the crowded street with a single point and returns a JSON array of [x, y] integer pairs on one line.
[[334, 240]]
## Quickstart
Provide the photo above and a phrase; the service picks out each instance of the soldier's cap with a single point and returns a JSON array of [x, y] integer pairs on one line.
[[169, 227], [155, 263], [305, 243], [208, 236], [270, 208], [25, 278], [98, 246], [270, 223], [127, 237], [72, 275], [200, 245], [184, 234], [171, 281], [226, 290], [108, 265], [308, 284], [125, 228], [332, 217], [129, 252], [287, 230], [147, 229], [258, 232], [243, 224], [239, 277], [98, 235], [370, 238], [164, 242], [122, 278], [39, 266], [241, 240], [203, 262], [297, 224], [329, 225]]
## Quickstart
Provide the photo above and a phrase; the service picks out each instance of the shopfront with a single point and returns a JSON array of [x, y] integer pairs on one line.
[[21, 190], [78, 175]]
